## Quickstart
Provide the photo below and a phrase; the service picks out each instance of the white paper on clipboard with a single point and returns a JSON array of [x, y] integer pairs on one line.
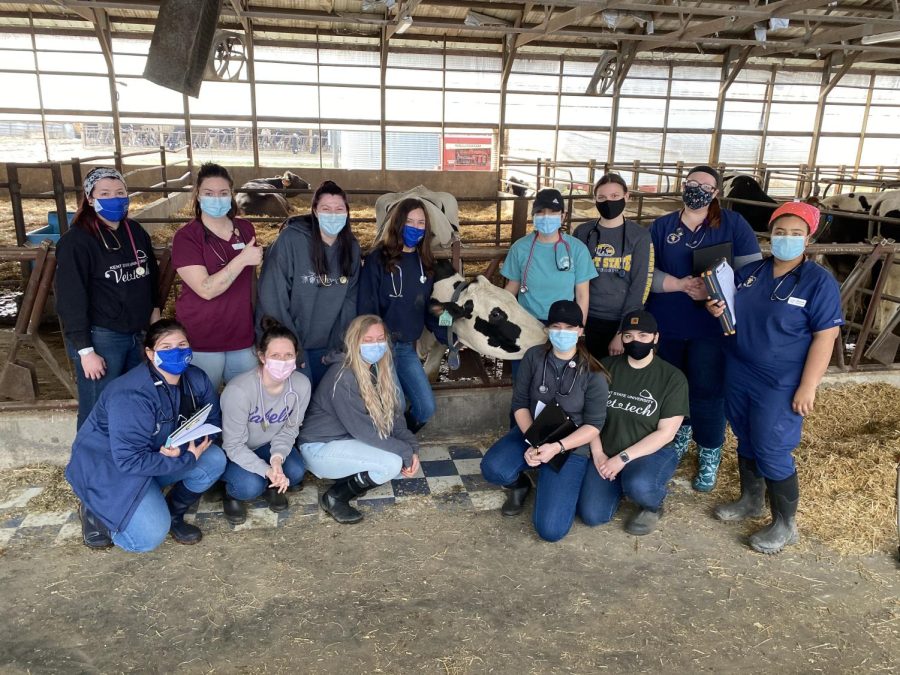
[[538, 407], [725, 280]]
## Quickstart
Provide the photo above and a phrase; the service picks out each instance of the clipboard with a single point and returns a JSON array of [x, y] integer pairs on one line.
[[705, 258], [193, 429], [719, 282], [552, 424]]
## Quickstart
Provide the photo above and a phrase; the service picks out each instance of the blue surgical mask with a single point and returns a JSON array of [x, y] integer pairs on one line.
[[563, 340], [215, 207], [788, 247], [331, 223], [372, 352], [547, 224], [412, 236], [114, 209], [174, 361]]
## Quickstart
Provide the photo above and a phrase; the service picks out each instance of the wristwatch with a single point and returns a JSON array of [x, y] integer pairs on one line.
[[562, 448], [624, 457], [85, 351]]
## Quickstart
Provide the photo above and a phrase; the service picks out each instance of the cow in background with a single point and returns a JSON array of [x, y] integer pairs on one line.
[[517, 186], [271, 203], [742, 186]]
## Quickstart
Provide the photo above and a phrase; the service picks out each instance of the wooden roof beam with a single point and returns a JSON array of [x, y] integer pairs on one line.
[[404, 11], [560, 21]]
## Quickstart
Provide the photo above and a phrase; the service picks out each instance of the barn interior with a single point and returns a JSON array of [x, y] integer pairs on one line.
[[489, 101]]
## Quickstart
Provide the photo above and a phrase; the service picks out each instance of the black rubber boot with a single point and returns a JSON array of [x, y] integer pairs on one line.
[[235, 511], [784, 496], [277, 502], [752, 503], [412, 424], [180, 499], [336, 501], [93, 532], [643, 521], [517, 493]]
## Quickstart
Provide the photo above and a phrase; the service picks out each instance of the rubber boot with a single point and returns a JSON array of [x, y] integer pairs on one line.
[[752, 502], [235, 511], [412, 423], [336, 501], [644, 521], [517, 493], [93, 532], [682, 440], [277, 502], [708, 460], [784, 495], [180, 499]]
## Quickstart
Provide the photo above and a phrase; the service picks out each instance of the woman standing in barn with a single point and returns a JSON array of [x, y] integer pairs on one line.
[[690, 338], [623, 257], [396, 284], [106, 287], [355, 432], [310, 278], [216, 257], [788, 314]]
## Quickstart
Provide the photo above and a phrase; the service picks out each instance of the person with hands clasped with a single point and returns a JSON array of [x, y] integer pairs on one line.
[[634, 456], [562, 371], [262, 411], [216, 256], [690, 339], [788, 316], [121, 459], [355, 431]]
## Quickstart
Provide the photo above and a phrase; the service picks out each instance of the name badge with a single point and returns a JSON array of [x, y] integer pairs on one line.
[[796, 302], [238, 246]]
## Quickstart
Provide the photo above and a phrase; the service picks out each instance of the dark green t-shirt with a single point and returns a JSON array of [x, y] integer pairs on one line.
[[639, 399]]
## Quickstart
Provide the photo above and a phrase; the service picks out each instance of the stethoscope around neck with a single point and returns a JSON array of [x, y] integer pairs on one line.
[[570, 366], [621, 272], [796, 272], [398, 293], [176, 416], [564, 267], [285, 397]]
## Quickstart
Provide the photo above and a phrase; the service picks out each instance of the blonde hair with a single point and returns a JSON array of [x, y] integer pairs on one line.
[[379, 393]]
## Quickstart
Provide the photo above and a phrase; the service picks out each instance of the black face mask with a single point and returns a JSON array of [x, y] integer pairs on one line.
[[611, 209], [638, 350]]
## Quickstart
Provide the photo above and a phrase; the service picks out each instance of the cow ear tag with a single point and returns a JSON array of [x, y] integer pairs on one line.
[[445, 319]]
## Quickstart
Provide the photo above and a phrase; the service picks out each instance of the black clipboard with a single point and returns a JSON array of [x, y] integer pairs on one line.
[[705, 258], [711, 279], [551, 425]]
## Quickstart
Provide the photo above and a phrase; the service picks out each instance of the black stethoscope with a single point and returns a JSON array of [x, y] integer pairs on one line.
[[621, 272], [220, 252], [563, 266], [398, 293], [693, 242], [176, 417], [140, 270], [796, 272], [284, 397], [543, 389]]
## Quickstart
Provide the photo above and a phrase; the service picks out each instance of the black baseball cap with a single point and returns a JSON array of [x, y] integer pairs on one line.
[[641, 320], [703, 168], [548, 198], [565, 311]]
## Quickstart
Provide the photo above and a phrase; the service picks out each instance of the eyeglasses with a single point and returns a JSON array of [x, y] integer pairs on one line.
[[708, 189]]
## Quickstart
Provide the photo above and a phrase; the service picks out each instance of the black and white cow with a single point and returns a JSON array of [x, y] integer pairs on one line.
[[271, 203], [517, 186], [742, 186]]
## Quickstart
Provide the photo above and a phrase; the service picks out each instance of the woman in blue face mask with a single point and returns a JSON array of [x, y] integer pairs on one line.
[[788, 316], [690, 339], [396, 284], [564, 372], [310, 279], [106, 286], [354, 430], [121, 459], [216, 256]]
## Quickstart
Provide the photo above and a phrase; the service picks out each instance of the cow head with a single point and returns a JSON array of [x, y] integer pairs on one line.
[[292, 180], [853, 202]]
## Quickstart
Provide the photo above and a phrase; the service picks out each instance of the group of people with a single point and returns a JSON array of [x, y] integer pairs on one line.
[[320, 371]]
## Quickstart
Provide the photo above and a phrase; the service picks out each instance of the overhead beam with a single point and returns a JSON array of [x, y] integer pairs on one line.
[[403, 12], [560, 21], [822, 38]]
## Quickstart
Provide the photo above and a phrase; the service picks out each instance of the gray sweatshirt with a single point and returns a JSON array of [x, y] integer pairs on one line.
[[624, 273], [337, 413], [243, 411], [290, 291]]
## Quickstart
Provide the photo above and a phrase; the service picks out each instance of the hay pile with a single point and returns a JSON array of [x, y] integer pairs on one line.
[[56, 496]]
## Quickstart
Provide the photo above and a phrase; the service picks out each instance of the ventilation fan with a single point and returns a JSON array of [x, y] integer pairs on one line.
[[606, 72], [227, 57]]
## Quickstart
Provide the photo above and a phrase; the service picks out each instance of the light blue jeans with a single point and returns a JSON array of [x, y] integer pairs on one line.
[[339, 459], [414, 381], [220, 367]]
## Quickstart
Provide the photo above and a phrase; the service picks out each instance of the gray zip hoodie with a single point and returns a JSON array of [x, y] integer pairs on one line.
[[291, 292]]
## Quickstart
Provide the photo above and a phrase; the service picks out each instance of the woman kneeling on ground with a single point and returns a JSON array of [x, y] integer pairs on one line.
[[261, 415], [355, 431], [120, 459], [635, 456], [562, 371]]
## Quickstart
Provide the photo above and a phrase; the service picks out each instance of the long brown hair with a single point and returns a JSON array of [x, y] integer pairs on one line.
[[344, 239], [584, 359], [392, 242]]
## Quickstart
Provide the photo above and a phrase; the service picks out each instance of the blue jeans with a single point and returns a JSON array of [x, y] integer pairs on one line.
[[702, 360], [643, 481], [414, 381], [151, 521], [243, 484], [221, 367], [313, 367], [121, 351], [557, 499], [339, 459]]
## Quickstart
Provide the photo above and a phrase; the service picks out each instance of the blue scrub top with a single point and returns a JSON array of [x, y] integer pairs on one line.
[[678, 316], [547, 283], [772, 337]]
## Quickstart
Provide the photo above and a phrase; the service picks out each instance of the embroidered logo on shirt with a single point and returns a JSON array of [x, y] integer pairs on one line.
[[675, 237], [749, 281], [127, 271], [641, 404]]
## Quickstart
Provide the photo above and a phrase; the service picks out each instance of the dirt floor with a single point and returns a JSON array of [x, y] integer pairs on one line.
[[415, 589]]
